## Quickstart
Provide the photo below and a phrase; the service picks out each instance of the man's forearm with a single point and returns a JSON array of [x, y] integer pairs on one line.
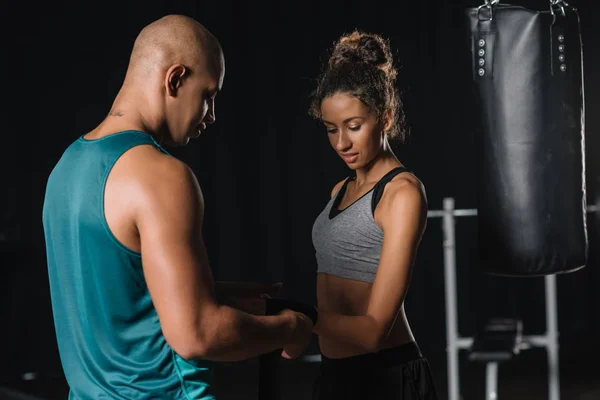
[[237, 335]]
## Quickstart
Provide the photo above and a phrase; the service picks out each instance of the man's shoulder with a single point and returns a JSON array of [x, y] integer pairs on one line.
[[154, 176], [147, 162]]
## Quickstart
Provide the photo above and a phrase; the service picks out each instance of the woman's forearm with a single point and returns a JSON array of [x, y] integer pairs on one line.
[[363, 330]]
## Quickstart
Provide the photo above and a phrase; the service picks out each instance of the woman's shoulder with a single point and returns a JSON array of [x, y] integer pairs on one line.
[[407, 178], [405, 189]]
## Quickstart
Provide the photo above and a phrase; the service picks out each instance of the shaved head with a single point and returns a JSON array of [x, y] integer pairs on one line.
[[175, 71], [174, 39]]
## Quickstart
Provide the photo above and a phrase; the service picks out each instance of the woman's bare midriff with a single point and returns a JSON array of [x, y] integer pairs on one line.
[[350, 297]]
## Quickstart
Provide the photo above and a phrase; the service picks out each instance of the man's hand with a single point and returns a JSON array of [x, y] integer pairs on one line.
[[300, 337]]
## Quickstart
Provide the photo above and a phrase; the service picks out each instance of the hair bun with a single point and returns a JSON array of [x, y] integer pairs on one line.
[[363, 48]]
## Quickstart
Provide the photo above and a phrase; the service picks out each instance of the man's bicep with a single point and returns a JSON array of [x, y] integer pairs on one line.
[[173, 255]]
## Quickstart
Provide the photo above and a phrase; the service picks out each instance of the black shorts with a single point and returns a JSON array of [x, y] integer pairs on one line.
[[398, 373]]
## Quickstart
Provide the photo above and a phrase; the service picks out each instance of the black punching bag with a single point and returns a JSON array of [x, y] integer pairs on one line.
[[528, 79]]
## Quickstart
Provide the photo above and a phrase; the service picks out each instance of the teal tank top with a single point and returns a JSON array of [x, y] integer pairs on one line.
[[109, 337]]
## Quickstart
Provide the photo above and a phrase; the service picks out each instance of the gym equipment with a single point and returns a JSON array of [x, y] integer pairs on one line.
[[528, 78], [455, 342], [498, 341]]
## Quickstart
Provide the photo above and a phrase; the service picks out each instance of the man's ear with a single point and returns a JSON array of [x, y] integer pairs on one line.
[[174, 79]]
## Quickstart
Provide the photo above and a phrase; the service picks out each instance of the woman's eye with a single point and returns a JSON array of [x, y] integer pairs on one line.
[[354, 128]]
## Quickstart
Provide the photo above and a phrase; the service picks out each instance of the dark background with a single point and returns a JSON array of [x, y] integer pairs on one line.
[[265, 167]]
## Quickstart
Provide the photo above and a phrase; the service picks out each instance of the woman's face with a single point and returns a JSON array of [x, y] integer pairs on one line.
[[354, 132]]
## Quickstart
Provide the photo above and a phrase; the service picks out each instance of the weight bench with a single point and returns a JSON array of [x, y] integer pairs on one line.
[[499, 340]]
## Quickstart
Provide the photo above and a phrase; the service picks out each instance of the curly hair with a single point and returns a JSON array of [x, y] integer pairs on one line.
[[361, 64]]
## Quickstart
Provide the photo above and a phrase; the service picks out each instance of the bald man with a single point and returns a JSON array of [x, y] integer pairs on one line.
[[134, 301]]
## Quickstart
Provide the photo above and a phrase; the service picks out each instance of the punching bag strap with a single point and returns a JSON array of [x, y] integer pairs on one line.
[[559, 48], [482, 43], [489, 4], [560, 4]]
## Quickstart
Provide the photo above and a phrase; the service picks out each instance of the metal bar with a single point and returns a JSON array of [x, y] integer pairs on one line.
[[451, 307], [526, 342], [472, 212], [456, 213], [491, 381], [465, 342], [536, 340], [552, 334]]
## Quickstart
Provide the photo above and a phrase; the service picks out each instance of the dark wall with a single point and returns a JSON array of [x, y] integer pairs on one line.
[[266, 167]]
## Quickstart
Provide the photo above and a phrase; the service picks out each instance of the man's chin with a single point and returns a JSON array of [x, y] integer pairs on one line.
[[188, 137], [182, 143]]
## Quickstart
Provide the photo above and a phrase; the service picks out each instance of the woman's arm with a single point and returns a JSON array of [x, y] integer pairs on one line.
[[402, 214]]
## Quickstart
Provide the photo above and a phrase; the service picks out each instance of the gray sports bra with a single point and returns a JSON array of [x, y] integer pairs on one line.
[[348, 242]]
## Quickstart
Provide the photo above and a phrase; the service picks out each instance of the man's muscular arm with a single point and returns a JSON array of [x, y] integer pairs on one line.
[[169, 220]]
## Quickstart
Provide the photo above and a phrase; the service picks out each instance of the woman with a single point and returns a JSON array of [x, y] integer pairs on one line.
[[367, 236]]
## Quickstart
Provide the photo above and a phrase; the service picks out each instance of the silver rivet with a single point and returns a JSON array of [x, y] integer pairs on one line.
[[481, 42], [481, 72], [563, 67], [561, 38], [29, 376], [561, 57], [481, 62], [561, 47], [481, 52]]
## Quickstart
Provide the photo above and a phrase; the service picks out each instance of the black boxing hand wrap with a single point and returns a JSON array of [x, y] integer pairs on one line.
[[275, 306]]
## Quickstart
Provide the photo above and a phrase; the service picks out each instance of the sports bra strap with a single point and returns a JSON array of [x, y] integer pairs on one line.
[[380, 186]]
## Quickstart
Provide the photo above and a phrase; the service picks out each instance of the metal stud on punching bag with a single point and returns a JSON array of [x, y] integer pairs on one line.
[[528, 79]]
